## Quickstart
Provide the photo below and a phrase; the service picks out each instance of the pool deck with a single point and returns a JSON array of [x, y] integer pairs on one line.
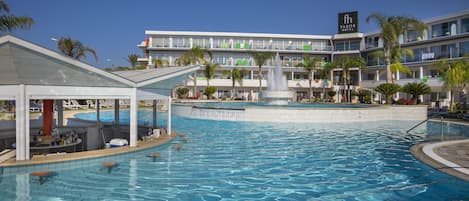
[[40, 159], [451, 157]]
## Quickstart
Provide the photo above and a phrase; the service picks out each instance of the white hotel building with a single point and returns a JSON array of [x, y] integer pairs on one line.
[[445, 37]]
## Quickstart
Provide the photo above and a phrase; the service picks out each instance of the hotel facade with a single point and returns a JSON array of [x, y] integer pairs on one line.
[[446, 37]]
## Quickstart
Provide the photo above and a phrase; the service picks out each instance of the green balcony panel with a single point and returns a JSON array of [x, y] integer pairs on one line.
[[246, 46], [238, 45], [307, 47]]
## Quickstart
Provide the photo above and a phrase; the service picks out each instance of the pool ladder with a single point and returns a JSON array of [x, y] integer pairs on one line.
[[428, 118]]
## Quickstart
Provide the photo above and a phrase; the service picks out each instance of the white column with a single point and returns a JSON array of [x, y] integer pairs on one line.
[[252, 74], [170, 42], [169, 116], [154, 113], [116, 112], [150, 42], [133, 118], [377, 75], [22, 124], [150, 62], [97, 110], [421, 72], [398, 75], [292, 75], [60, 112], [359, 77]]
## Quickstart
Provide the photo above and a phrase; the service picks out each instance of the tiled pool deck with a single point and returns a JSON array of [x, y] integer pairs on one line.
[[451, 157]]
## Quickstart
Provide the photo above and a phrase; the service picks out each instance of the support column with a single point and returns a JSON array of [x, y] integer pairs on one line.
[[60, 112], [398, 75], [97, 110], [47, 116], [133, 118], [377, 75], [421, 72], [116, 112], [154, 113], [22, 124], [169, 116], [252, 74]]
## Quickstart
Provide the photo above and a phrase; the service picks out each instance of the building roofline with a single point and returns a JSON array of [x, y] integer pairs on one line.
[[432, 20], [237, 34]]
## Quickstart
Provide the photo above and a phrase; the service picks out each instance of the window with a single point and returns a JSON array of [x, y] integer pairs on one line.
[[464, 47], [444, 51], [413, 36], [465, 25], [444, 29]]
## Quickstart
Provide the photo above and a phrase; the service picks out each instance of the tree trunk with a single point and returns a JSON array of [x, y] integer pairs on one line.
[[389, 99], [195, 86], [451, 102], [388, 66], [260, 83], [310, 89], [233, 88]]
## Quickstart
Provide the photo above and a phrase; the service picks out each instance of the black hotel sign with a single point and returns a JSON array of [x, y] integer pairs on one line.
[[348, 22]]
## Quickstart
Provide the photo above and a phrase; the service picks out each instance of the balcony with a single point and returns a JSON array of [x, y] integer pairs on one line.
[[254, 83]]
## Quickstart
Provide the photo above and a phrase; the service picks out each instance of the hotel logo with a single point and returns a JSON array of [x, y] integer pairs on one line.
[[348, 22]]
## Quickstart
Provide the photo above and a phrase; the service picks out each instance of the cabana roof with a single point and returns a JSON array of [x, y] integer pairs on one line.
[[22, 62]]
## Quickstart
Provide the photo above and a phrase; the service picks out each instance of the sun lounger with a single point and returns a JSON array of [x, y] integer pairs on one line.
[[7, 154]]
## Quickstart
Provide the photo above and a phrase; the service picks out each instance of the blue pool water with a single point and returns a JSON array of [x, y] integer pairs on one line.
[[239, 105], [257, 161]]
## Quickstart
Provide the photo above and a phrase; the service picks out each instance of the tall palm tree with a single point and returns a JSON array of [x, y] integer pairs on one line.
[[210, 67], [9, 22], [260, 58], [74, 48], [310, 65], [159, 62], [396, 65], [324, 74], [391, 28], [455, 75], [236, 75], [195, 56], [345, 63], [133, 60]]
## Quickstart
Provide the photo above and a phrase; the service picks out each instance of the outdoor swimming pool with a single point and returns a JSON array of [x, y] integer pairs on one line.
[[239, 105], [257, 161]]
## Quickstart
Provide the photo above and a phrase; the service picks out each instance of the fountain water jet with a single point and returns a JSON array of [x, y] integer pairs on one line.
[[277, 92]]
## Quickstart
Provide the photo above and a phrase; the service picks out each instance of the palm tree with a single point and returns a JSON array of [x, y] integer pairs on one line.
[[345, 63], [416, 89], [391, 28], [455, 75], [260, 58], [210, 67], [74, 48], [194, 56], [133, 60], [324, 74], [159, 62], [388, 89], [310, 65], [9, 22], [236, 75], [396, 65]]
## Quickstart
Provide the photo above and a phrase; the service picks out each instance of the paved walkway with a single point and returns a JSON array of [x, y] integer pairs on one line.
[[451, 157]]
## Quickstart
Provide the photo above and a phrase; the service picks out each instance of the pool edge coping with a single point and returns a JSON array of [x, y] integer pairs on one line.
[[426, 154], [13, 163]]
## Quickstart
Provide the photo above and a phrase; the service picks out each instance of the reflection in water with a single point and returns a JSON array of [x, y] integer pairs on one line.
[[22, 187], [133, 179]]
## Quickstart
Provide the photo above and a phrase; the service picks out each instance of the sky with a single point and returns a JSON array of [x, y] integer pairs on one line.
[[114, 27]]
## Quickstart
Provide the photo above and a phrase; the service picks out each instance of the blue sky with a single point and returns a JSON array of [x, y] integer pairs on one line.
[[114, 28]]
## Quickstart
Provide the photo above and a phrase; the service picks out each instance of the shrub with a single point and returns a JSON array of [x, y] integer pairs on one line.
[[416, 89], [182, 92], [209, 91], [388, 89]]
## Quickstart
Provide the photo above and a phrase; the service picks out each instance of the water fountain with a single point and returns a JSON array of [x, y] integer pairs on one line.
[[277, 92]]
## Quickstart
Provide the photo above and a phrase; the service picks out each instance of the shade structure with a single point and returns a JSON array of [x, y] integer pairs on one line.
[[29, 71]]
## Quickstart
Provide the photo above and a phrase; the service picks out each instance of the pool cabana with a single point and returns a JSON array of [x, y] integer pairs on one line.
[[31, 72]]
